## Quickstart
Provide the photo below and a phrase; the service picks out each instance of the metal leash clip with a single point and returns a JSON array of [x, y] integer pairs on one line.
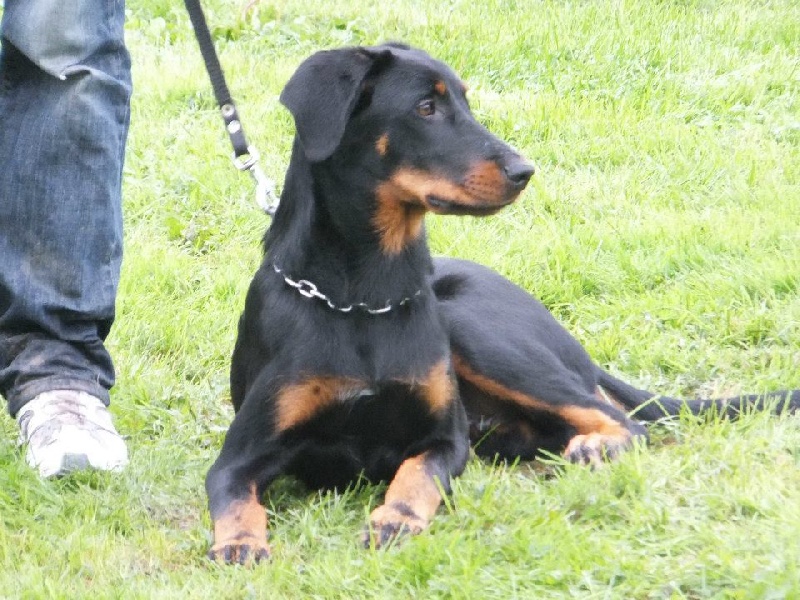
[[266, 198]]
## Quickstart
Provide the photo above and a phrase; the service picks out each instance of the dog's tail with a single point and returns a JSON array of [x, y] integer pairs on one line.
[[647, 406]]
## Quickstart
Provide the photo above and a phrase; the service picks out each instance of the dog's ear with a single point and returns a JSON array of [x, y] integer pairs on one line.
[[323, 92]]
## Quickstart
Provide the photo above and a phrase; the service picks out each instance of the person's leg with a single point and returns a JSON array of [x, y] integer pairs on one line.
[[64, 107]]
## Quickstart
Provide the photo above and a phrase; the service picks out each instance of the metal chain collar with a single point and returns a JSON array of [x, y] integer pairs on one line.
[[308, 290]]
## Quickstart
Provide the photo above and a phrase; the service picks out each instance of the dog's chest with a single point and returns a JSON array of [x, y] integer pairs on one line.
[[367, 430]]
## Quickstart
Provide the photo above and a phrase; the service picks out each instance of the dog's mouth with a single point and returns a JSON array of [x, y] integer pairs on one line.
[[403, 200], [487, 187], [443, 206], [482, 191]]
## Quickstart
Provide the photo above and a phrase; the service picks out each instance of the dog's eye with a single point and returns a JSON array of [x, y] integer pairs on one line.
[[426, 108]]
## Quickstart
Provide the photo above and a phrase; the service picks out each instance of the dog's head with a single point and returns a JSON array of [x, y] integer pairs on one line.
[[402, 119]]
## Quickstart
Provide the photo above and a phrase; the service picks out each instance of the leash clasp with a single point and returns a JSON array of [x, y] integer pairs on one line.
[[266, 198]]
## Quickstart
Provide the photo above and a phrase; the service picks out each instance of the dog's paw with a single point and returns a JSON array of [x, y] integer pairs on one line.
[[244, 550], [595, 448], [391, 521]]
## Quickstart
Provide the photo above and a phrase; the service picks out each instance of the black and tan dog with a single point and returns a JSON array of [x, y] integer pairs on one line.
[[359, 354]]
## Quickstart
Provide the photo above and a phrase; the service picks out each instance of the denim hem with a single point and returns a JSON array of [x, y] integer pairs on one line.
[[28, 392]]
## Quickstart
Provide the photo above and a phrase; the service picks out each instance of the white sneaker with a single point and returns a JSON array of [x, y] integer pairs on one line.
[[69, 431]]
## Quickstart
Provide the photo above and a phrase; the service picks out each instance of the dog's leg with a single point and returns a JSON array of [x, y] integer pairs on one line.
[[251, 458], [595, 429], [508, 346], [415, 491], [603, 433], [240, 530], [413, 496]]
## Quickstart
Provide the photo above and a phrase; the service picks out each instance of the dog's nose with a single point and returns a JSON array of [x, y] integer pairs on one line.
[[519, 172]]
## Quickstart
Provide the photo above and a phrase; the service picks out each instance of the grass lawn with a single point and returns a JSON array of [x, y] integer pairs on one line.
[[662, 227]]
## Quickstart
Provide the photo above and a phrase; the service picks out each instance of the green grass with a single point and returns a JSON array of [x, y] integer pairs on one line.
[[663, 228]]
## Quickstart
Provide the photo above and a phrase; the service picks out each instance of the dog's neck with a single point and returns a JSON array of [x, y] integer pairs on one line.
[[324, 232]]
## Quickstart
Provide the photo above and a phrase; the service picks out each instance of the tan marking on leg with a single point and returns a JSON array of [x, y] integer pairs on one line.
[[298, 403], [413, 485], [410, 503], [600, 437], [584, 420], [240, 533], [593, 420]]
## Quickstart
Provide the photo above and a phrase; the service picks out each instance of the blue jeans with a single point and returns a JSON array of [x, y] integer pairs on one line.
[[64, 110]]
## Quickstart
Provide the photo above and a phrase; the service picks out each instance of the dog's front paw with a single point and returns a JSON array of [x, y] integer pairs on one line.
[[243, 550], [391, 521], [595, 448]]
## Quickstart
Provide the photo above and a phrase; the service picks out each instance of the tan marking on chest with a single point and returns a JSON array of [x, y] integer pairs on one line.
[[300, 402]]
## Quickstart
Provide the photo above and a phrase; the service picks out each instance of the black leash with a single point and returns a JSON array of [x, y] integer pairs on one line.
[[245, 157]]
